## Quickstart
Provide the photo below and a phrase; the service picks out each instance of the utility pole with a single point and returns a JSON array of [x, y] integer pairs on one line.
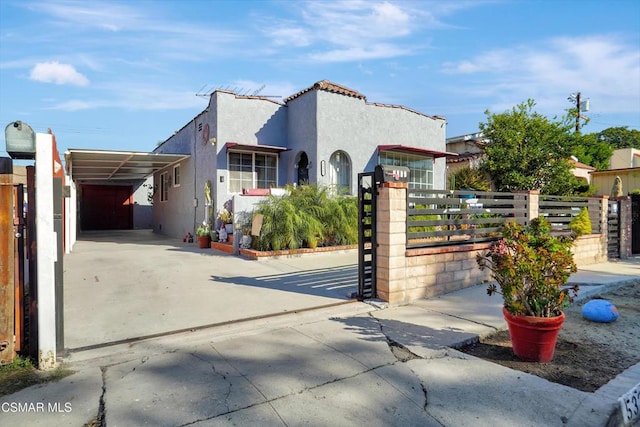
[[578, 113], [580, 106]]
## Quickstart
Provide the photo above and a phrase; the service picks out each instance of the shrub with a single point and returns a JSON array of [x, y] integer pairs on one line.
[[581, 223], [470, 179], [531, 267], [307, 216]]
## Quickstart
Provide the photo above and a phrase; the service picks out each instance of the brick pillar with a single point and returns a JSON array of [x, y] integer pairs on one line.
[[392, 242], [533, 208]]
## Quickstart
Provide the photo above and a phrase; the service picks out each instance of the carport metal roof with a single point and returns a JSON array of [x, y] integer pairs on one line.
[[116, 165]]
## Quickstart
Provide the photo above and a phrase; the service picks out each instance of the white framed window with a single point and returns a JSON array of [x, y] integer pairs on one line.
[[340, 172], [176, 176], [252, 170], [420, 168], [164, 186]]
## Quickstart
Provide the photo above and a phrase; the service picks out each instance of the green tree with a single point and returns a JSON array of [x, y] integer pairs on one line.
[[620, 137], [593, 151], [527, 151]]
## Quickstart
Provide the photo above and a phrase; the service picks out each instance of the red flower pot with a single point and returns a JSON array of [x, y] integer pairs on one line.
[[533, 338], [204, 242]]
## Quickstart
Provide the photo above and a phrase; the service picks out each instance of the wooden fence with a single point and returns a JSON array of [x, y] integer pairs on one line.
[[446, 217], [443, 217]]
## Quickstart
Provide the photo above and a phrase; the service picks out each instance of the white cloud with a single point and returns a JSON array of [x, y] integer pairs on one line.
[[55, 72], [604, 68], [348, 30], [108, 16], [358, 53], [73, 105]]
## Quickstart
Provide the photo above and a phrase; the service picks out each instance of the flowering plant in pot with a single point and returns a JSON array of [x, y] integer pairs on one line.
[[531, 268], [226, 217]]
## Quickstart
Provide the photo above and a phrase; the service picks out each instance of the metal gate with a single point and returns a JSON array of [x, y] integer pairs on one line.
[[367, 245], [613, 229], [635, 223]]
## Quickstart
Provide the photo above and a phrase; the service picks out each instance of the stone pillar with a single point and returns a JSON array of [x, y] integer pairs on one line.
[[392, 242]]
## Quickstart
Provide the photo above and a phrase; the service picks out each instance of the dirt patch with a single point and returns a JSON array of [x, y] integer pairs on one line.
[[588, 354]]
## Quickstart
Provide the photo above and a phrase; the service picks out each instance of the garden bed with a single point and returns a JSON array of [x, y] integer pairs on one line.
[[588, 354], [256, 255]]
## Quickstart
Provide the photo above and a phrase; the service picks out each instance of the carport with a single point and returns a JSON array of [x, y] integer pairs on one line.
[[106, 181]]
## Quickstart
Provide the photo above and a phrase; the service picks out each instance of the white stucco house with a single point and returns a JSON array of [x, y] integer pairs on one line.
[[324, 134]]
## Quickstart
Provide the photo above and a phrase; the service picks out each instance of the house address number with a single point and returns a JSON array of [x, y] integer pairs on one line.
[[630, 404]]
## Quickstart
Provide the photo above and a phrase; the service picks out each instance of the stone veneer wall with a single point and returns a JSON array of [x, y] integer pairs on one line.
[[404, 275]]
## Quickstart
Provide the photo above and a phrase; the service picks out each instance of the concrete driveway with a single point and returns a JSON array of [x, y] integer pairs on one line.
[[123, 285]]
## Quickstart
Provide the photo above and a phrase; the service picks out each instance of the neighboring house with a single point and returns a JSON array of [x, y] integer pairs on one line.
[[581, 170], [469, 149], [624, 158], [325, 134], [625, 163]]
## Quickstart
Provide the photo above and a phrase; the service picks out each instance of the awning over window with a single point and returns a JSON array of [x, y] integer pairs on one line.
[[116, 165], [236, 146], [415, 150]]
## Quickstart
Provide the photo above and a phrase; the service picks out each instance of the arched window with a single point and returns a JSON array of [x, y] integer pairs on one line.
[[340, 172]]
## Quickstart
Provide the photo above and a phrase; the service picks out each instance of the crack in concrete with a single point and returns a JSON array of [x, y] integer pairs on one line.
[[426, 397], [100, 418], [223, 376], [399, 351]]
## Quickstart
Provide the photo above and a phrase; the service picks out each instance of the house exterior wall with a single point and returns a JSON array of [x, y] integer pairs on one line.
[[317, 122], [142, 207], [341, 123], [176, 216], [603, 180], [625, 158], [303, 136], [245, 120]]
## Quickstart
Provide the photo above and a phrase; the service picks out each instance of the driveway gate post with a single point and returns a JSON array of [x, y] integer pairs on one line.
[[7, 236]]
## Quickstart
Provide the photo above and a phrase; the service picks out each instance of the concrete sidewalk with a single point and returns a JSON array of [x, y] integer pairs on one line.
[[350, 365]]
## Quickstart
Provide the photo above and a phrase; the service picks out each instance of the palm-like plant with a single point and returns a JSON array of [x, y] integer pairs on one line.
[[469, 178], [308, 216]]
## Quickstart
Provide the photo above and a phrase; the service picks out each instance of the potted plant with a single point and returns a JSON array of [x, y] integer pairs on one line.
[[246, 239], [531, 267], [203, 233], [226, 217]]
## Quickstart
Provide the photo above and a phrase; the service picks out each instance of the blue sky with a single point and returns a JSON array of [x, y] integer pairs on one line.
[[124, 74]]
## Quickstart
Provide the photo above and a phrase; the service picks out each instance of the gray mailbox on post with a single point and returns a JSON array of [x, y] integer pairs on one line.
[[20, 141], [387, 173]]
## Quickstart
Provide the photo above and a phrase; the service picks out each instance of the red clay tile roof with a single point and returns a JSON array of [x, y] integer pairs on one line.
[[326, 85], [464, 157], [577, 164], [342, 90]]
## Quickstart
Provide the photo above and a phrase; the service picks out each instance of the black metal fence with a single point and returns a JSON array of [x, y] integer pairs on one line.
[[444, 217]]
